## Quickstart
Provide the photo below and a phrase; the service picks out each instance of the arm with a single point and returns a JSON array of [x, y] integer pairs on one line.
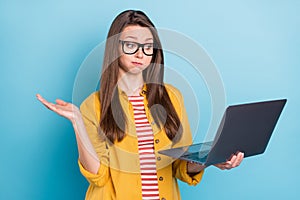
[[87, 154], [192, 175], [187, 171]]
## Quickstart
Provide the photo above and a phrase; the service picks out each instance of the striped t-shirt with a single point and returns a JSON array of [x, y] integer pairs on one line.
[[146, 150]]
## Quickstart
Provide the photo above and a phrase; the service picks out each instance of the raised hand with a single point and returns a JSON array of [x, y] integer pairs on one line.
[[65, 109], [87, 155]]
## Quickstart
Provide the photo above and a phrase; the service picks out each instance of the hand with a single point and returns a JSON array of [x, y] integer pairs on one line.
[[87, 155], [67, 110], [234, 161], [194, 168]]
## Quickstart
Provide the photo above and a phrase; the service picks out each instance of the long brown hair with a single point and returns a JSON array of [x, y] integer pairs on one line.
[[153, 77]]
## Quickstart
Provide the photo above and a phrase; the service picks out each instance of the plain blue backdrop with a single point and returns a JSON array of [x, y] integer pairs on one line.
[[254, 44]]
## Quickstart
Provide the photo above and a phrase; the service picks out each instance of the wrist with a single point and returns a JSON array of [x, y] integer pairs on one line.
[[194, 168], [77, 118]]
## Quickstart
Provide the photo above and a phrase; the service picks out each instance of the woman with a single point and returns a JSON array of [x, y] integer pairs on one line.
[[131, 117]]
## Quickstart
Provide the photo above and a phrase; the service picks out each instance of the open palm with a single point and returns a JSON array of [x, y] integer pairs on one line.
[[65, 109]]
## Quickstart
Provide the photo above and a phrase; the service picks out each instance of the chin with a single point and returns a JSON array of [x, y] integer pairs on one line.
[[136, 70]]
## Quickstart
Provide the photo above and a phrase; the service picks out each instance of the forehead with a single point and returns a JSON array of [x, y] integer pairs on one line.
[[136, 32]]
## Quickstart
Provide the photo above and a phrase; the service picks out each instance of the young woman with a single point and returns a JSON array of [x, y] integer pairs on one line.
[[120, 128]]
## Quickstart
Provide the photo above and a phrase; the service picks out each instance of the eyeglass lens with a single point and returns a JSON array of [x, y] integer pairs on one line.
[[132, 47]]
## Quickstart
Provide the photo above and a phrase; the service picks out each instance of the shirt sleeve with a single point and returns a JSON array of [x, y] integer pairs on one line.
[[90, 110], [180, 166], [180, 170]]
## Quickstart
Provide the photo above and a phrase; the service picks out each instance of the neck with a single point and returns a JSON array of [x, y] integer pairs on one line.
[[131, 84]]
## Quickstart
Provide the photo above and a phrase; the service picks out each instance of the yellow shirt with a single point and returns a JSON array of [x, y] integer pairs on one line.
[[119, 176]]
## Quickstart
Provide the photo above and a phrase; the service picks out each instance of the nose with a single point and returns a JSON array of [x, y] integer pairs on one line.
[[139, 53]]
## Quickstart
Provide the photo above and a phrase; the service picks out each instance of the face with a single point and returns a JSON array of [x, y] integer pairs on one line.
[[133, 35]]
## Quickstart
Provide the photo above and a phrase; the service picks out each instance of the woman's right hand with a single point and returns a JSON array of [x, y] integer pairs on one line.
[[65, 109], [87, 155]]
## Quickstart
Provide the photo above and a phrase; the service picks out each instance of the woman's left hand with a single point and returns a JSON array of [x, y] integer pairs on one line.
[[233, 162]]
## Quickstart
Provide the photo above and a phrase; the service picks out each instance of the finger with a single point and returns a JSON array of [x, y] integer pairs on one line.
[[61, 102], [235, 163], [45, 102], [40, 98], [239, 159], [225, 165], [50, 106], [230, 162], [228, 165], [233, 159], [220, 166], [61, 110]]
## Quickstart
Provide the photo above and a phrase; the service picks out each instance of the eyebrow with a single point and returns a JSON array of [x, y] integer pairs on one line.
[[135, 38]]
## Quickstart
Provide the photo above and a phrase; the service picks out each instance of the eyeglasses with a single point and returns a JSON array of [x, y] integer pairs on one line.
[[129, 47]]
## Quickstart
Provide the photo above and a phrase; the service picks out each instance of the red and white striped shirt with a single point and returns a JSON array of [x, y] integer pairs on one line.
[[146, 149]]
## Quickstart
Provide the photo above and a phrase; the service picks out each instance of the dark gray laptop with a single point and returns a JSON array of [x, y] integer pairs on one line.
[[245, 127]]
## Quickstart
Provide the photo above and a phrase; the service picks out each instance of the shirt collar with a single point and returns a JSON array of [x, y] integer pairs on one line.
[[144, 90]]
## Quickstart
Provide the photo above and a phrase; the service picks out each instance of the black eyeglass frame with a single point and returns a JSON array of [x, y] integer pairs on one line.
[[139, 45]]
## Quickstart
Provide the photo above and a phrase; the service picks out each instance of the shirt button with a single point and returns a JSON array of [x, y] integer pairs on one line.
[[163, 198], [158, 158], [157, 141], [152, 123], [161, 178]]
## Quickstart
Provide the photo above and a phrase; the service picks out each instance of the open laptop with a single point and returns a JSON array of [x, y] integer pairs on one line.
[[246, 128]]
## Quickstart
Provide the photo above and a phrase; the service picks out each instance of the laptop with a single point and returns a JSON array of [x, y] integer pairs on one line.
[[245, 127]]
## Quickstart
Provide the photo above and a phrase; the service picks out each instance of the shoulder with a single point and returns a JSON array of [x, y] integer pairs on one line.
[[173, 91], [92, 100], [174, 94], [91, 105]]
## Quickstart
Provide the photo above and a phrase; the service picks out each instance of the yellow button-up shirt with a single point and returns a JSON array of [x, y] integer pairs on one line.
[[119, 175]]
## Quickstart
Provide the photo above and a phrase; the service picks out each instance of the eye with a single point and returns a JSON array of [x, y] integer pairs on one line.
[[148, 46], [130, 45]]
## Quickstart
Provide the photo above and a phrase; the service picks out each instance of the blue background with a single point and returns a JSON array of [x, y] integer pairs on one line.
[[254, 44]]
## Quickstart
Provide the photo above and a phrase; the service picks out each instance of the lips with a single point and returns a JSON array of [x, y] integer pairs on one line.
[[137, 63]]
